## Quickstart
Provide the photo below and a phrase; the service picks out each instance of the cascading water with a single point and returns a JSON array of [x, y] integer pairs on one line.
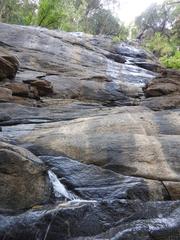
[[59, 191], [58, 188]]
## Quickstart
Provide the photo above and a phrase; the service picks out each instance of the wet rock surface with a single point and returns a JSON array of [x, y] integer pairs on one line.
[[92, 183], [79, 68], [117, 219], [89, 137]]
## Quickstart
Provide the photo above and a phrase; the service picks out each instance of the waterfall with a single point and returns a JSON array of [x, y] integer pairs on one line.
[[58, 188]]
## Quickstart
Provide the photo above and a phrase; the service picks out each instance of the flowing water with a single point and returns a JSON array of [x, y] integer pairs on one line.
[[58, 188], [128, 74]]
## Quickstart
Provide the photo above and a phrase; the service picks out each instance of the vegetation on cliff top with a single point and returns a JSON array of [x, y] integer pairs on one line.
[[159, 31]]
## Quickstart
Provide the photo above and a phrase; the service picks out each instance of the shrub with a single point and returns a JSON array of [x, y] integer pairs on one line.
[[171, 62]]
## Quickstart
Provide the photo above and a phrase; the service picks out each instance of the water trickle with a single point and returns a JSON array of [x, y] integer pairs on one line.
[[58, 188], [128, 74]]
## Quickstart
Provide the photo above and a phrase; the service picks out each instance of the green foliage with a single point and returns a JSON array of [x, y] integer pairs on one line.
[[77, 15], [17, 11], [176, 29], [61, 14], [164, 22], [103, 22], [122, 35], [160, 45], [158, 17], [165, 49], [89, 16], [161, 18], [171, 62]]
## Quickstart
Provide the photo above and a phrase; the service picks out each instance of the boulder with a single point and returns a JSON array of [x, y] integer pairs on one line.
[[8, 65], [5, 94], [22, 90], [43, 87], [170, 101], [163, 92], [23, 177], [162, 86]]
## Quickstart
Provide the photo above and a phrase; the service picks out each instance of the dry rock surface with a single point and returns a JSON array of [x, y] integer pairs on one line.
[[89, 139], [24, 181]]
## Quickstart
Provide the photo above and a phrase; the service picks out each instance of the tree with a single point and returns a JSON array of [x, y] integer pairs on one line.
[[164, 20], [90, 16], [159, 17], [17, 11], [88, 8], [156, 17], [103, 22], [176, 25], [60, 14], [92, 5], [111, 5]]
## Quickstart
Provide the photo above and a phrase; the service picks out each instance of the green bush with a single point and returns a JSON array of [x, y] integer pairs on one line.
[[171, 62], [160, 45], [164, 49]]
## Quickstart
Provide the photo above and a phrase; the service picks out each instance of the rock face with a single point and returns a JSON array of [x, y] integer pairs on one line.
[[132, 141], [89, 137], [44, 87], [24, 182], [8, 65], [79, 68], [92, 182], [22, 90], [118, 219], [5, 94], [163, 92]]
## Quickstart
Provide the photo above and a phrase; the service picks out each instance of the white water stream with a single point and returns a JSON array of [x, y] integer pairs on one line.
[[58, 188]]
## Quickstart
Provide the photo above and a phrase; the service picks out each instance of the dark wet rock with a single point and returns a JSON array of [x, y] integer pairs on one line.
[[133, 51], [51, 110], [150, 66], [116, 57], [134, 54], [92, 182], [24, 181], [172, 73], [4, 117], [99, 220], [160, 227]]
